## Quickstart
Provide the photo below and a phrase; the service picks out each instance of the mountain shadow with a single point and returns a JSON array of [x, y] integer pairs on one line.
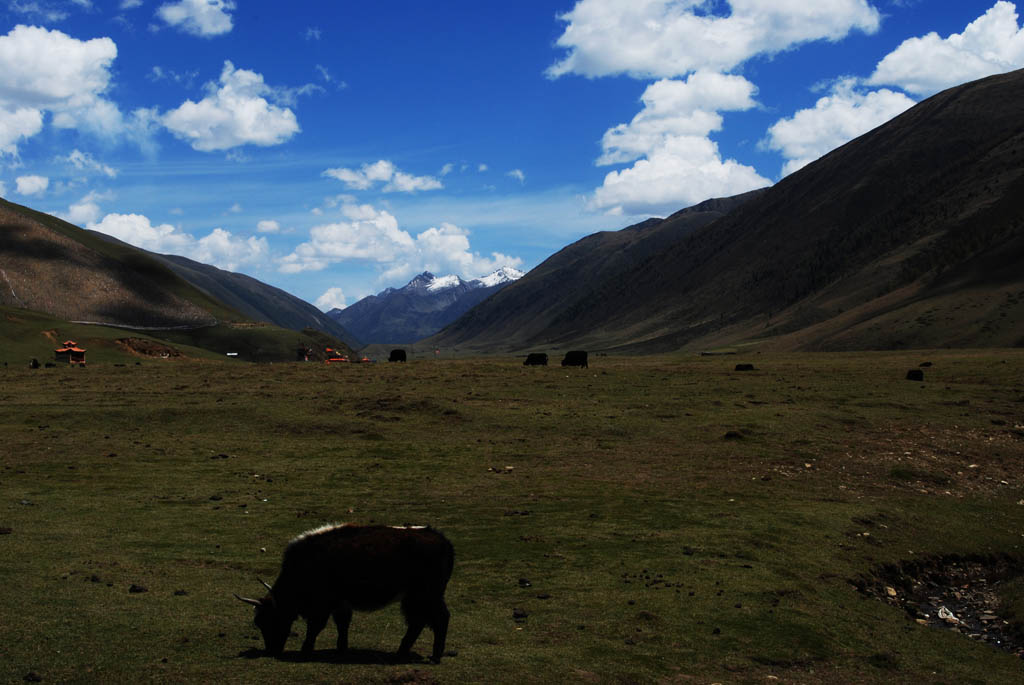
[[912, 235]]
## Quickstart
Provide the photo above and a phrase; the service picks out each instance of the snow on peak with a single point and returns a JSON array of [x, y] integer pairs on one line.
[[505, 274], [430, 283], [443, 282]]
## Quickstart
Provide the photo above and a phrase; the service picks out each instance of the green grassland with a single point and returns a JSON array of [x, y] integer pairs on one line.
[[657, 519], [26, 335]]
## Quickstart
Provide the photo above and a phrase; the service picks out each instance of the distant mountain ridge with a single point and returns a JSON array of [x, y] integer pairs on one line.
[[543, 306], [258, 300], [420, 308], [50, 266], [251, 297], [912, 235]]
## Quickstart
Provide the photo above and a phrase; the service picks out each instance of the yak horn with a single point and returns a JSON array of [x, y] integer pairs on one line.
[[266, 585], [247, 600]]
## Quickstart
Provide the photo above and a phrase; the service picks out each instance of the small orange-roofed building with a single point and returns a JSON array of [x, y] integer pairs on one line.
[[335, 356], [71, 353]]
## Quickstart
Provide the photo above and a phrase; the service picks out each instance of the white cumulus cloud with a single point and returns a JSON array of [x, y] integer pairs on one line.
[[666, 38], [137, 230], [366, 234], [991, 44], [446, 249], [835, 119], [372, 235], [86, 210], [676, 108], [227, 251], [219, 248], [683, 171], [268, 226], [235, 112], [333, 298], [383, 172], [44, 70], [32, 184], [677, 164], [204, 18], [17, 124]]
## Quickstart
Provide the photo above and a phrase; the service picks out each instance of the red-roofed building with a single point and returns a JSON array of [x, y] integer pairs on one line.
[[71, 353], [335, 356]]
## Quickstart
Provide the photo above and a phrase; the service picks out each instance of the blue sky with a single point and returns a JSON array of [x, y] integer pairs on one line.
[[335, 148]]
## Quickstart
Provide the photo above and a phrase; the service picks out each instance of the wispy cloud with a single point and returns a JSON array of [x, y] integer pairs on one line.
[[203, 18], [386, 173], [83, 161]]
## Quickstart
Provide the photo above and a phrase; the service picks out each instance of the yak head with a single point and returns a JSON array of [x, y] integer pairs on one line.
[[273, 621]]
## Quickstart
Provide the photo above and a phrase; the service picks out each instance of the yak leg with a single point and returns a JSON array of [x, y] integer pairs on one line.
[[314, 624], [415, 619], [439, 624], [342, 619]]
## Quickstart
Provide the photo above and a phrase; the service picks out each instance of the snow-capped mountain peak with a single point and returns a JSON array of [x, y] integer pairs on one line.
[[425, 305], [430, 283], [444, 282], [505, 274]]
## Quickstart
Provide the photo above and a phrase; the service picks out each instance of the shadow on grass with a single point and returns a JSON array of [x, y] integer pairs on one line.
[[331, 656]]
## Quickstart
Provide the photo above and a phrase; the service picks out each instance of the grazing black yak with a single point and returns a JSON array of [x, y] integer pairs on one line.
[[575, 358], [536, 359], [332, 570], [397, 356]]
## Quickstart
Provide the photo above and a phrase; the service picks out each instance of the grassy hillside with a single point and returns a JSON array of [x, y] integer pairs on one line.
[[25, 335], [255, 299], [258, 343], [53, 266], [55, 273], [556, 302], [909, 236], [657, 519]]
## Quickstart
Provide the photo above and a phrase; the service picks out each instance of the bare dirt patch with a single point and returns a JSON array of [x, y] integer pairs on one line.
[[952, 593], [142, 347]]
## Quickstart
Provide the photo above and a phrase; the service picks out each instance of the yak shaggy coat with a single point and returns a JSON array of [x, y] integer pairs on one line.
[[334, 570]]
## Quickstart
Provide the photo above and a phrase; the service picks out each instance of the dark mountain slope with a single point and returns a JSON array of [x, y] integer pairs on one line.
[[51, 266], [551, 302], [257, 300], [63, 272], [929, 205]]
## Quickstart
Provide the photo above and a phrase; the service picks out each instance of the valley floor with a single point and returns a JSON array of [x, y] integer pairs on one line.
[[651, 519]]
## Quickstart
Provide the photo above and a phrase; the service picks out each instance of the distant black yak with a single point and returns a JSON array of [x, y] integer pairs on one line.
[[536, 359], [332, 570], [575, 358], [397, 356]]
